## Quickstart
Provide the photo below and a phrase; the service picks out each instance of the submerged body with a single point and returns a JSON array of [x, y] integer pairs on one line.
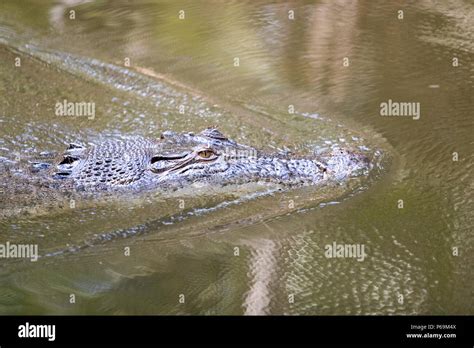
[[179, 160]]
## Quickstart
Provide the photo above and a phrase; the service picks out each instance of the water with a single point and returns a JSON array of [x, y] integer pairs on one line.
[[234, 252]]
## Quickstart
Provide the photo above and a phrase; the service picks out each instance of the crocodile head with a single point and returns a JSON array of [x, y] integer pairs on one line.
[[178, 160]]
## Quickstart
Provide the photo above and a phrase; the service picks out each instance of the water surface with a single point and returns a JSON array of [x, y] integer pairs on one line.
[[233, 252]]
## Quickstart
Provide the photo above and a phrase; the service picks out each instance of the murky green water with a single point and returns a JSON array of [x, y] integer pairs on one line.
[[231, 252]]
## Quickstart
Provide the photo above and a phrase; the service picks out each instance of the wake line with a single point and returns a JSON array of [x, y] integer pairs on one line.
[[145, 84]]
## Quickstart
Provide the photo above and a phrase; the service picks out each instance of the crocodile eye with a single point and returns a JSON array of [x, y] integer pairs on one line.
[[206, 153]]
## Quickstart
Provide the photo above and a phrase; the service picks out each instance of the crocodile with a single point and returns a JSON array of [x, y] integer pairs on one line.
[[177, 160]]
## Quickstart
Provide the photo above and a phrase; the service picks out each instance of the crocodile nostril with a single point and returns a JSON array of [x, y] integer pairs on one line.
[[61, 175], [68, 160], [74, 146]]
